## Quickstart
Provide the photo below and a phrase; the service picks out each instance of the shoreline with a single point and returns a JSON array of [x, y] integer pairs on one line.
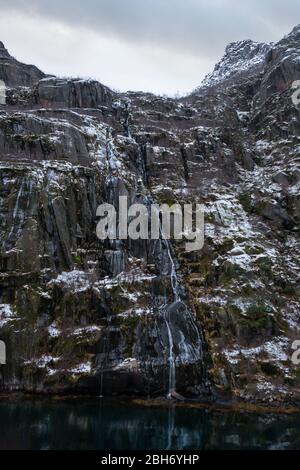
[[160, 402]]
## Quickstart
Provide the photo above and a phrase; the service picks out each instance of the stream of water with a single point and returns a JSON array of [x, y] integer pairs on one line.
[[166, 309]]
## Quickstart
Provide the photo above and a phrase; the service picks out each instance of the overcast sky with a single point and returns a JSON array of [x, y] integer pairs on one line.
[[164, 46]]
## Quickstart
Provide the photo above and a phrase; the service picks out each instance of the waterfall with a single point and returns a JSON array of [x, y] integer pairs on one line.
[[171, 360], [16, 208], [167, 318], [168, 311], [173, 273], [126, 120], [17, 214], [176, 298], [112, 161], [188, 353]]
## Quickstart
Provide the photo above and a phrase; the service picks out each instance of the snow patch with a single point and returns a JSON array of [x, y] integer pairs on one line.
[[6, 314], [75, 281], [53, 331], [84, 368]]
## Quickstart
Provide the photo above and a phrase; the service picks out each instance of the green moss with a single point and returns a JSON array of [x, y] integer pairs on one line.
[[128, 329], [202, 311], [26, 139], [227, 245], [203, 267], [265, 264], [260, 207], [233, 309], [257, 318], [247, 290], [75, 346], [166, 200], [256, 310], [47, 144], [209, 218], [289, 290], [27, 304], [245, 200], [230, 273], [254, 250], [77, 259]]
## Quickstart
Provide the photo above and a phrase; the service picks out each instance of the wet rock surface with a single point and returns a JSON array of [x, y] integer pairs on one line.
[[146, 317]]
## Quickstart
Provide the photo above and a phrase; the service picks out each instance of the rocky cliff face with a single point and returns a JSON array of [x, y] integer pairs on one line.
[[142, 317], [241, 58], [15, 73]]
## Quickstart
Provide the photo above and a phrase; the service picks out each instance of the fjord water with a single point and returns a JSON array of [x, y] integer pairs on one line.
[[98, 424]]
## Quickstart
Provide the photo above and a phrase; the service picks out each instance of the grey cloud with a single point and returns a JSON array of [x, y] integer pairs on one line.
[[154, 45], [188, 26]]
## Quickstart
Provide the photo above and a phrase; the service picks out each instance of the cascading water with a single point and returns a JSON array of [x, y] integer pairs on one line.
[[187, 342], [187, 352], [171, 360], [173, 273], [166, 309], [17, 214], [167, 317], [176, 298]]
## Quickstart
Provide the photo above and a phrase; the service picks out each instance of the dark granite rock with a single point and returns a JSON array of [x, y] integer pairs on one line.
[[14, 73], [142, 317]]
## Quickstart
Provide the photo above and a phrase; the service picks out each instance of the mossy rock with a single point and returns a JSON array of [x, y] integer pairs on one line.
[[265, 264], [246, 202], [226, 245], [288, 289], [260, 207], [128, 329], [77, 259], [258, 320], [47, 145]]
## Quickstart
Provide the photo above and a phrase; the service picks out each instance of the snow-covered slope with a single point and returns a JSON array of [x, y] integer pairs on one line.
[[239, 57]]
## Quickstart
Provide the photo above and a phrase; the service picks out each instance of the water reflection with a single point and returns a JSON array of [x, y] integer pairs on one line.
[[108, 424]]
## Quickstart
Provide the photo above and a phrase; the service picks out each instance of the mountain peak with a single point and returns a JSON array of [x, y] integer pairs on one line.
[[295, 30], [291, 39], [240, 57], [246, 46], [4, 54], [15, 73]]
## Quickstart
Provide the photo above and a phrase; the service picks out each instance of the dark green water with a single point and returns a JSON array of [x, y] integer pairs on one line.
[[111, 425]]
